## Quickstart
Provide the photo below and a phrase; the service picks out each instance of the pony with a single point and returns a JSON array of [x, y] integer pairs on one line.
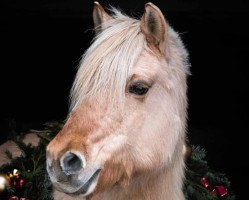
[[125, 132]]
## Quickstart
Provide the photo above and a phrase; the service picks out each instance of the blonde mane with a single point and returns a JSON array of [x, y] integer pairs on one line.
[[106, 65]]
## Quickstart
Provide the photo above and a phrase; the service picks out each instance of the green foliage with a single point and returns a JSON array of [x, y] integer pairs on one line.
[[197, 168], [31, 165]]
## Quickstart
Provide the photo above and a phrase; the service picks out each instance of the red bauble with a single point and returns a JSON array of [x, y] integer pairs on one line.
[[21, 183], [205, 182], [222, 190]]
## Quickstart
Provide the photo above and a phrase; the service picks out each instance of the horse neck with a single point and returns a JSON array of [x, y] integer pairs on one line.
[[163, 184]]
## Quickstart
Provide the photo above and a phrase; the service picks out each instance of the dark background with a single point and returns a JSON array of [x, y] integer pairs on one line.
[[42, 41]]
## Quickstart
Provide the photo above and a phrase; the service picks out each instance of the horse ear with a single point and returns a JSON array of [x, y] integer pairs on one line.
[[154, 27], [99, 17]]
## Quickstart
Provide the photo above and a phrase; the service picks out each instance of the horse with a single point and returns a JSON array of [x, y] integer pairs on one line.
[[125, 131]]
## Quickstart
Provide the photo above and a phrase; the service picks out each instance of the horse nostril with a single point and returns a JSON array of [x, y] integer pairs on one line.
[[71, 163]]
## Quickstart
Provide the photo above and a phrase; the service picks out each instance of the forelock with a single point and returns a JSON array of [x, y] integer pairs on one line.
[[106, 65]]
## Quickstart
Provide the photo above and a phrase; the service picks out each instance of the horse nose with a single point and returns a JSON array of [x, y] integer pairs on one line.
[[72, 163]]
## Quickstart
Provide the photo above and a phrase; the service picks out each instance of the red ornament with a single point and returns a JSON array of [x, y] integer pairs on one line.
[[222, 190], [218, 190], [14, 198], [205, 182], [21, 183]]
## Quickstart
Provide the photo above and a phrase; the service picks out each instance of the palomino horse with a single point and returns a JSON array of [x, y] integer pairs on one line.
[[125, 132]]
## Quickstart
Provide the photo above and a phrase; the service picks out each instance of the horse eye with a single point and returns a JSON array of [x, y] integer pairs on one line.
[[138, 89]]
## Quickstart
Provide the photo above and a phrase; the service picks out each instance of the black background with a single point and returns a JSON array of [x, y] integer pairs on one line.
[[42, 41]]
